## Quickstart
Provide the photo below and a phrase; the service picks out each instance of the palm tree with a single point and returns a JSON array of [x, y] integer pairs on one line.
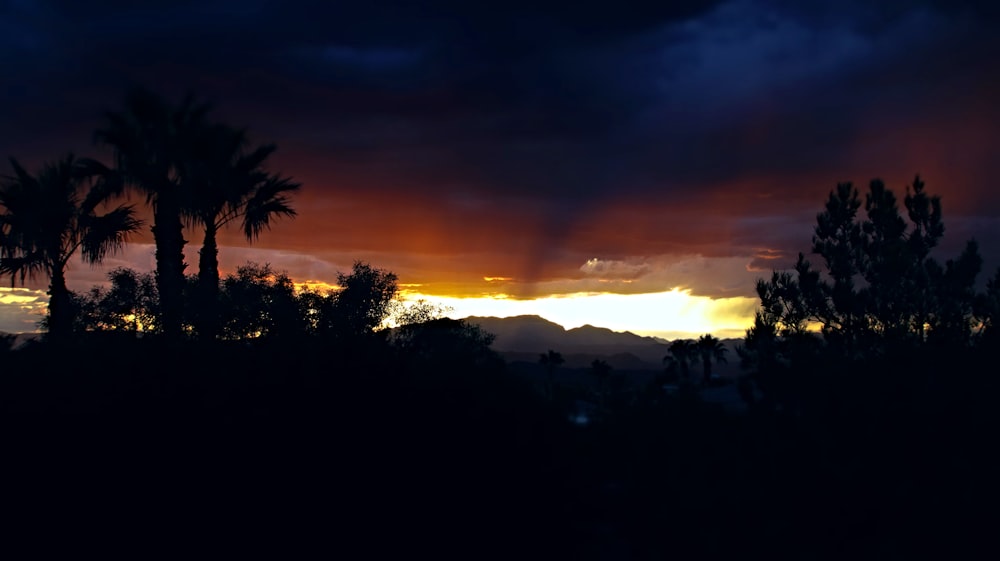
[[228, 184], [151, 140], [709, 349], [48, 216], [682, 353]]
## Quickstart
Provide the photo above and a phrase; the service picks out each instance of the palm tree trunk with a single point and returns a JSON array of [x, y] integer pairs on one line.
[[168, 233], [60, 312], [207, 315]]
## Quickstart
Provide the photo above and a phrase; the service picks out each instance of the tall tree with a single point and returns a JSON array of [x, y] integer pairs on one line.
[[151, 140], [881, 294], [47, 217], [710, 350], [682, 354], [880, 284], [230, 185]]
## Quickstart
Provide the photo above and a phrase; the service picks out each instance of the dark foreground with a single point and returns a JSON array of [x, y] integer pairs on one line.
[[349, 451]]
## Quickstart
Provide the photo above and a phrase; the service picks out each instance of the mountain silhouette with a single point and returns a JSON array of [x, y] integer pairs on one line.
[[523, 338]]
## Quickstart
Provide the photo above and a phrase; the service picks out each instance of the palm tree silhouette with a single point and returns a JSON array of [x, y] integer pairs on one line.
[[151, 141], [230, 186], [709, 349], [48, 216], [682, 353]]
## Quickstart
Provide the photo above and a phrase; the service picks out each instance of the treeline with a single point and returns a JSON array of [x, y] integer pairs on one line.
[[253, 303]]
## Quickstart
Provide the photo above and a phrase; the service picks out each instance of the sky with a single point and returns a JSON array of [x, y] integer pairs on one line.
[[628, 165]]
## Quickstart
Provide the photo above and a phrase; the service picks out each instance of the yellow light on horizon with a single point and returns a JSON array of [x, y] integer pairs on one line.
[[315, 286], [670, 314]]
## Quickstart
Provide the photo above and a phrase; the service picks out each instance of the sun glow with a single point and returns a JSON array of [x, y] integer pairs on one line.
[[315, 286], [670, 314]]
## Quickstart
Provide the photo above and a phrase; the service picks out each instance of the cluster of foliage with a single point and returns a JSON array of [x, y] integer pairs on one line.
[[707, 350], [129, 305], [190, 170], [254, 303], [881, 295]]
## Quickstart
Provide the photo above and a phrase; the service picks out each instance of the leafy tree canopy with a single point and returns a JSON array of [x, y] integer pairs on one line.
[[879, 291]]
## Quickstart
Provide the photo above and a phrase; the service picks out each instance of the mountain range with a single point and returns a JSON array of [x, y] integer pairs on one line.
[[524, 338]]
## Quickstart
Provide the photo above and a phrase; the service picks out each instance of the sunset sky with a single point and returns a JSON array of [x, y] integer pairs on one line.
[[634, 166]]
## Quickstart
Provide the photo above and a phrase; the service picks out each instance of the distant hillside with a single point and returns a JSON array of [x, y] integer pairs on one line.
[[523, 338], [18, 340]]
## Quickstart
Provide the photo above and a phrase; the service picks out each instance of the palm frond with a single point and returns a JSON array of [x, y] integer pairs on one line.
[[275, 187], [106, 183], [25, 266], [37, 211], [21, 176], [108, 233], [269, 201]]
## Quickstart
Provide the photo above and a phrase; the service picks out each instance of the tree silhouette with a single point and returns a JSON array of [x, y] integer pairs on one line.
[[880, 297], [952, 319], [317, 312], [446, 345], [129, 305], [229, 185], [256, 302], [419, 312], [152, 143], [682, 353], [710, 350], [880, 285], [364, 300], [47, 217]]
